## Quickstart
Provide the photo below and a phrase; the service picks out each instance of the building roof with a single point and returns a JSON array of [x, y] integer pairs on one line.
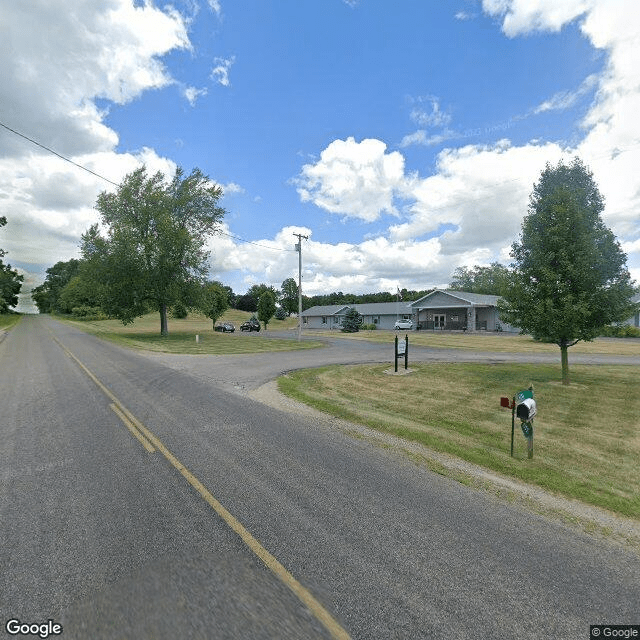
[[365, 309], [383, 308], [479, 299], [326, 310]]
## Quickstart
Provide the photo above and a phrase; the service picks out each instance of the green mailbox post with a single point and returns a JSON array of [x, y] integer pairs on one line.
[[524, 407]]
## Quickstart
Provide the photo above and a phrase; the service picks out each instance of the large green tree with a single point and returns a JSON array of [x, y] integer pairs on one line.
[[47, 295], [10, 281], [289, 296], [570, 277], [153, 253], [493, 280], [214, 301], [266, 307]]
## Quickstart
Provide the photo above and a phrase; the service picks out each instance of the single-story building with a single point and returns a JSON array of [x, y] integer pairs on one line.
[[382, 314], [438, 310], [458, 310], [442, 309]]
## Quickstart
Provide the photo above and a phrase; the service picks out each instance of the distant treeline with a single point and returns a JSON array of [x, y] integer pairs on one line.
[[338, 297]]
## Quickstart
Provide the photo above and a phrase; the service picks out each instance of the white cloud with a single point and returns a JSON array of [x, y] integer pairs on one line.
[[355, 179], [51, 81], [215, 6], [472, 207], [232, 187], [567, 99], [612, 130], [421, 137], [220, 72], [524, 16], [427, 112], [192, 94]]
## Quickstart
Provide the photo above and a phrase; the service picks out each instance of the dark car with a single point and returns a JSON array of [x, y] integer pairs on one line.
[[250, 325], [225, 327]]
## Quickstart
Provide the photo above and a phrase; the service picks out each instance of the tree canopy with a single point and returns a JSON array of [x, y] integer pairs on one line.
[[47, 295], [289, 296], [266, 307], [214, 301], [10, 281], [570, 277], [153, 254], [492, 280], [352, 321]]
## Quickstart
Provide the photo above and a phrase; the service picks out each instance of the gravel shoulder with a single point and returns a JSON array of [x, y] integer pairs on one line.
[[599, 522], [254, 376]]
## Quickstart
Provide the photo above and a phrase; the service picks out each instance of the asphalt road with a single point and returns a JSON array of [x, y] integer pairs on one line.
[[110, 540]]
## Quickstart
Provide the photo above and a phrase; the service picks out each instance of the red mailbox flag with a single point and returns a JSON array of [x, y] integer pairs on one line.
[[505, 402]]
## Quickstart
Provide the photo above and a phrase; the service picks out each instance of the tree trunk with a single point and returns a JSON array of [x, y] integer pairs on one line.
[[164, 328], [564, 357]]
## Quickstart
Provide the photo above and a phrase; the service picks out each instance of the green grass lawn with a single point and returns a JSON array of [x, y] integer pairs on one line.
[[587, 435], [144, 334], [8, 320], [488, 341]]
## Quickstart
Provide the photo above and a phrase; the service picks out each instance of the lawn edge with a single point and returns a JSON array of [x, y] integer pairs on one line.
[[589, 519]]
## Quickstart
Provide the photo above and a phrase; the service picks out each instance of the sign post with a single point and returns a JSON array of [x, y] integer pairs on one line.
[[402, 349]]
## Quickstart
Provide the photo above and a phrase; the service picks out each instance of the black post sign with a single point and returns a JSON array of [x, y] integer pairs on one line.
[[402, 349]]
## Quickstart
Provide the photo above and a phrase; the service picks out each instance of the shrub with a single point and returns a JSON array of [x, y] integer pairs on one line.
[[179, 310], [88, 313], [281, 314], [369, 327], [620, 331], [352, 321]]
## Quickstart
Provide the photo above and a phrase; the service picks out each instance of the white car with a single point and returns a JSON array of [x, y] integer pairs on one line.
[[403, 324]]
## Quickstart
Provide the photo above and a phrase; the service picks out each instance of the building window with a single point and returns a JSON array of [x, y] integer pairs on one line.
[[324, 319]]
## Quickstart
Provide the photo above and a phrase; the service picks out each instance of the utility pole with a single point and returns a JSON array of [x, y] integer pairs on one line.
[[299, 250]]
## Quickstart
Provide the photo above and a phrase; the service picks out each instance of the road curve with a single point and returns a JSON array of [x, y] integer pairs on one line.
[[111, 540]]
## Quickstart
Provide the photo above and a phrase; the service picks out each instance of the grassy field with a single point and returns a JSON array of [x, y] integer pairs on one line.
[[144, 334], [486, 341], [8, 320], [587, 435]]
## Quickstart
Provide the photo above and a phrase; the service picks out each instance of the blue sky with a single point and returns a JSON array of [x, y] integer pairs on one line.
[[402, 138]]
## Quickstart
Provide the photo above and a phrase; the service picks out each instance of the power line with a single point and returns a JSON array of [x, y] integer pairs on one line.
[[256, 244], [59, 155], [115, 184]]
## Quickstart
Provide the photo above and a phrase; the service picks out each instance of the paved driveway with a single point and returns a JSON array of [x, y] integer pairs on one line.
[[243, 373]]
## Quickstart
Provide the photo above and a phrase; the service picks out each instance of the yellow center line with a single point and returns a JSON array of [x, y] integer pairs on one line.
[[134, 432], [135, 426]]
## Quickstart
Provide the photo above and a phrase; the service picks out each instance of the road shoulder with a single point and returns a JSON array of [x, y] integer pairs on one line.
[[592, 520]]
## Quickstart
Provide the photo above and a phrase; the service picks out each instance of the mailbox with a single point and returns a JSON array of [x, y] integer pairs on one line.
[[525, 405], [526, 409]]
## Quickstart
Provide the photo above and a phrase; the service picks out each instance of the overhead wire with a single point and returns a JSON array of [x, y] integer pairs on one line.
[[115, 184], [459, 202]]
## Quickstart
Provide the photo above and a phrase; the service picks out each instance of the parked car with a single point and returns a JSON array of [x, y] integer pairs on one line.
[[250, 325], [403, 324], [225, 327]]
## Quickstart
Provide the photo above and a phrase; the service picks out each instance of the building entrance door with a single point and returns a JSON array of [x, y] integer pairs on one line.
[[438, 322]]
